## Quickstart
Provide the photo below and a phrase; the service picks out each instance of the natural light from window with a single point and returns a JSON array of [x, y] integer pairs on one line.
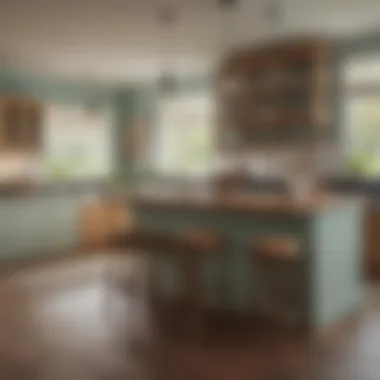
[[184, 138], [362, 111], [78, 143]]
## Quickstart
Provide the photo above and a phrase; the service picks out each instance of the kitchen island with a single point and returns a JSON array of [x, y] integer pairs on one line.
[[327, 277]]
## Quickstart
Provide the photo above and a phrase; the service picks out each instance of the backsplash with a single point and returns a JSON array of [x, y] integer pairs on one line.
[[280, 163]]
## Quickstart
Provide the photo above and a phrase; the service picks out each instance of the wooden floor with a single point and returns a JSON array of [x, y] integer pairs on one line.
[[64, 321]]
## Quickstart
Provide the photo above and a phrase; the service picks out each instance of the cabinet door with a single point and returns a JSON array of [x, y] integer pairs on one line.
[[11, 124], [44, 226]]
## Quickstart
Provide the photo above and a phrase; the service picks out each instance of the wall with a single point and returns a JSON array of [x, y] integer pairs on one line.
[[124, 103], [22, 83]]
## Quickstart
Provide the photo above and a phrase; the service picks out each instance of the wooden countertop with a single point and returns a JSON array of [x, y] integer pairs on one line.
[[243, 202]]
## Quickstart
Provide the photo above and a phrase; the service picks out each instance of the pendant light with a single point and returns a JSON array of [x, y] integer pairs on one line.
[[167, 19], [273, 15], [272, 12], [227, 8]]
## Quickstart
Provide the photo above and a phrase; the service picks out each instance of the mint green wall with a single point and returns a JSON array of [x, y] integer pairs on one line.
[[22, 83]]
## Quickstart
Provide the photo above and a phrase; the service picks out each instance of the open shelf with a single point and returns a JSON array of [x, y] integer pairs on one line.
[[278, 91]]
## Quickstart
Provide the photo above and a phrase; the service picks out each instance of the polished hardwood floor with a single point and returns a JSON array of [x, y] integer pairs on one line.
[[73, 320]]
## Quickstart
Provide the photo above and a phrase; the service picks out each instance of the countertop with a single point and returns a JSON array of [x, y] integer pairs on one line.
[[243, 202]]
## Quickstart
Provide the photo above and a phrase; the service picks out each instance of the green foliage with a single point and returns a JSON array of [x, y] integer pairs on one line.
[[59, 170], [364, 164]]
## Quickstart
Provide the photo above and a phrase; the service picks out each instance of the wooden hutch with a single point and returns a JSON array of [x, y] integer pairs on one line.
[[276, 94]]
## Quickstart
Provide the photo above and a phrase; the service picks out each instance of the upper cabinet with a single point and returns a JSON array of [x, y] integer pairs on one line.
[[275, 94], [20, 125]]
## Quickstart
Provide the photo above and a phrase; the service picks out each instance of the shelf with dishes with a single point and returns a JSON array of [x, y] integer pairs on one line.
[[271, 93]]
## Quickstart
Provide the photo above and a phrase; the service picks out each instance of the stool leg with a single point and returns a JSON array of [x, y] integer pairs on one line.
[[194, 285], [177, 307], [106, 304], [152, 291], [164, 305], [282, 303], [268, 301]]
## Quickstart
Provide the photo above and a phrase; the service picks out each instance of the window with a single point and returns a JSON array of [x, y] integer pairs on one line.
[[183, 143], [77, 143], [362, 80]]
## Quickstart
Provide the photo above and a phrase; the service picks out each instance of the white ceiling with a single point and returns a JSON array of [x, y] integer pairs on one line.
[[120, 40]]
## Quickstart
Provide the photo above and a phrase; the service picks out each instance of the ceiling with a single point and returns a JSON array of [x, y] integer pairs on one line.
[[121, 40]]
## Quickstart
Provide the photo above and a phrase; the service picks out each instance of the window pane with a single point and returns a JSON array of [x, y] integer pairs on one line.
[[78, 143], [364, 135], [185, 136], [362, 70]]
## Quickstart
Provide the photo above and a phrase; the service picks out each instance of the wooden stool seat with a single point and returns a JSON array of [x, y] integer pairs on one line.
[[145, 240], [202, 241], [188, 241], [279, 247]]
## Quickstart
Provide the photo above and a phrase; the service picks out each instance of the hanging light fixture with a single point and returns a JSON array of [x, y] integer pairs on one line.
[[272, 12], [167, 18], [227, 8]]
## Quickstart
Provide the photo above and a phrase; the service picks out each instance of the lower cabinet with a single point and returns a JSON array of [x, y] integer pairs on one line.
[[38, 226], [47, 225]]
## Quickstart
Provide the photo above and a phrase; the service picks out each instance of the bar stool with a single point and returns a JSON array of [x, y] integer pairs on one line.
[[187, 249], [144, 242], [277, 257], [149, 320]]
